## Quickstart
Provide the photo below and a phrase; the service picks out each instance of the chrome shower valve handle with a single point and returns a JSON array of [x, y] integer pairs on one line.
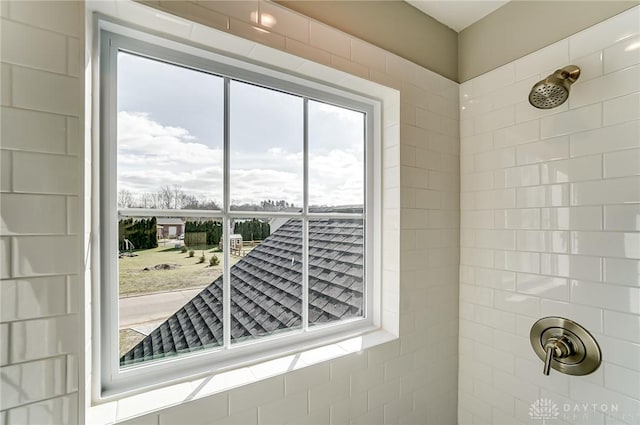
[[556, 348]]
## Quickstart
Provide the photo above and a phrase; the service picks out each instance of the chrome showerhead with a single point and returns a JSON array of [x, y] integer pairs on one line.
[[554, 90]]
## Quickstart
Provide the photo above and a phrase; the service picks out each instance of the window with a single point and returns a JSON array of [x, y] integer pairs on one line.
[[236, 212]]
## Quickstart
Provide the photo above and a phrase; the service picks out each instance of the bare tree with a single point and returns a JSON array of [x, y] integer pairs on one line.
[[190, 202], [147, 200], [125, 199], [164, 197], [171, 197], [179, 197], [153, 200]]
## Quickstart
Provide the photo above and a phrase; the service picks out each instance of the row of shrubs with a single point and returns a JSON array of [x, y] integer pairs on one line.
[[252, 230], [206, 232], [209, 232], [213, 261], [142, 233]]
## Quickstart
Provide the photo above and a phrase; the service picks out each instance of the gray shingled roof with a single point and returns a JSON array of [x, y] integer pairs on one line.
[[266, 291]]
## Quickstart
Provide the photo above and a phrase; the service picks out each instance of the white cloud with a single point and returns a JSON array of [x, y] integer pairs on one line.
[[151, 155], [336, 178]]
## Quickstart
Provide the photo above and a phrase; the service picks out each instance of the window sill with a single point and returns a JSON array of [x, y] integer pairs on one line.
[[142, 403]]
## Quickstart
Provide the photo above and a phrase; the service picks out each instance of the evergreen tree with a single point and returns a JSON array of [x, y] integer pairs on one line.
[[142, 233]]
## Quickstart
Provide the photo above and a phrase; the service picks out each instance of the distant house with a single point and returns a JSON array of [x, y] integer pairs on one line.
[[266, 291], [169, 227]]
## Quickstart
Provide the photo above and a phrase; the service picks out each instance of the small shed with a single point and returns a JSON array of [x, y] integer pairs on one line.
[[169, 228], [236, 242]]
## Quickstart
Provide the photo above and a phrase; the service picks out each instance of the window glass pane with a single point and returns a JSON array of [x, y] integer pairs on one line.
[[170, 133], [266, 149], [170, 141], [266, 283], [336, 158], [336, 259], [170, 286]]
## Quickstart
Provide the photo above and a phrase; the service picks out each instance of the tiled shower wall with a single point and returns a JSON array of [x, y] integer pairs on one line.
[[41, 186], [411, 380], [550, 221]]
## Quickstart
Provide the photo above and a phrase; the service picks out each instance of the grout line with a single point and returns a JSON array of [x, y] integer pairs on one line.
[[66, 56], [34, 26], [33, 403], [41, 359], [45, 70], [44, 317], [9, 69]]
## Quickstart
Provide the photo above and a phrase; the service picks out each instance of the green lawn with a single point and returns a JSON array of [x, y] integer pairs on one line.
[[128, 339], [134, 280]]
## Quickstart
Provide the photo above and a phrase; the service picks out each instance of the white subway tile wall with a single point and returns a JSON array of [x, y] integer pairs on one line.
[[562, 239], [412, 380], [41, 251], [574, 249]]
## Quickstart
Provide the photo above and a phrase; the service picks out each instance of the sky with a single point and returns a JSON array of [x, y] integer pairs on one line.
[[170, 132]]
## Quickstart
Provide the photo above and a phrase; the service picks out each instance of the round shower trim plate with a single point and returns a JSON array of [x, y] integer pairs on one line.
[[587, 355]]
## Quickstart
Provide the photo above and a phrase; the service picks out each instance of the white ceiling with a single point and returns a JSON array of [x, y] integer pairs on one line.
[[457, 14]]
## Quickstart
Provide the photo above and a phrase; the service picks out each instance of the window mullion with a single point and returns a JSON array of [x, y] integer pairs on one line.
[[226, 221], [305, 220]]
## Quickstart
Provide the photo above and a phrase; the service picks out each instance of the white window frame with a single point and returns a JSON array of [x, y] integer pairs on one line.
[[115, 382]]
